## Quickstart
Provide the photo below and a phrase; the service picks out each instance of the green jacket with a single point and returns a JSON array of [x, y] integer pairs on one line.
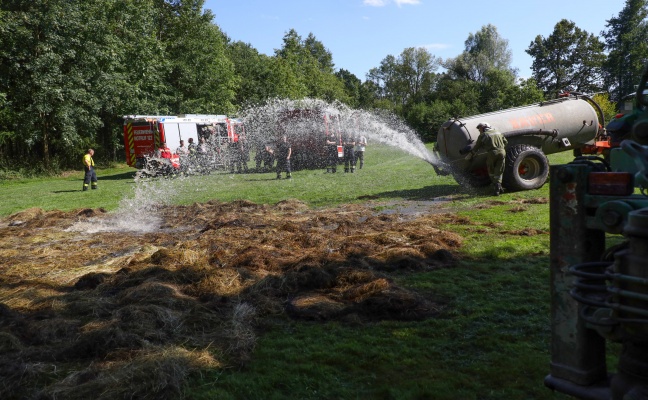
[[490, 140]]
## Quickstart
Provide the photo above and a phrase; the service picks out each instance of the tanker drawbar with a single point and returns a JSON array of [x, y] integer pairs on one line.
[[532, 132]]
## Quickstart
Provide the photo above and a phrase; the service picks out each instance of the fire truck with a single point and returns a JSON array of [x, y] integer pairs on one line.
[[145, 135]]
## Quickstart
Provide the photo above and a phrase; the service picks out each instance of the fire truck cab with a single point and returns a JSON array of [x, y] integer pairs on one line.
[[145, 134]]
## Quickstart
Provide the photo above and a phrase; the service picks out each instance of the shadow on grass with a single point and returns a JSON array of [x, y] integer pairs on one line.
[[117, 177], [266, 179], [424, 193]]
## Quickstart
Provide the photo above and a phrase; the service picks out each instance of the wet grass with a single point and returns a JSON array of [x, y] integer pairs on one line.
[[491, 341], [388, 174]]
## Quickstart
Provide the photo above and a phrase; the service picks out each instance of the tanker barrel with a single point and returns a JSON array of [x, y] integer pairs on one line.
[[552, 126], [523, 132]]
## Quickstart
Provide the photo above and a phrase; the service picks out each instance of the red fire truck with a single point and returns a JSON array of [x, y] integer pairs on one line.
[[144, 136]]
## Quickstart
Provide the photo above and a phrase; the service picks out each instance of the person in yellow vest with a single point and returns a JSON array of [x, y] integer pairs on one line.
[[88, 166]]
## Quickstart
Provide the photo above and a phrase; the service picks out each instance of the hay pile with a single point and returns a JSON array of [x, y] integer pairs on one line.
[[79, 312]]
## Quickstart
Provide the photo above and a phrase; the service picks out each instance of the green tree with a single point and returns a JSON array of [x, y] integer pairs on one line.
[[569, 59], [320, 53], [408, 78], [352, 86], [254, 71], [309, 63], [608, 107], [484, 79], [484, 51], [462, 95], [202, 76], [128, 30], [626, 40], [52, 67]]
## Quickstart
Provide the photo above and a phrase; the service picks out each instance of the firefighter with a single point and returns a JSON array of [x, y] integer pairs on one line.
[[88, 166], [238, 158], [361, 144], [283, 152], [494, 143], [348, 142], [182, 150], [192, 146], [165, 152], [264, 155], [331, 153]]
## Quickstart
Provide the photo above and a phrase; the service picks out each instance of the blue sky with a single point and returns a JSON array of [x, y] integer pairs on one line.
[[361, 33]]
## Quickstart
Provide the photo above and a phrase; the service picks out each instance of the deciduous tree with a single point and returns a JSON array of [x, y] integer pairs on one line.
[[626, 39], [569, 59]]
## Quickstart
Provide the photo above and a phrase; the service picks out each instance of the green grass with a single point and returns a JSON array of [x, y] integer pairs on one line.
[[490, 342], [388, 175]]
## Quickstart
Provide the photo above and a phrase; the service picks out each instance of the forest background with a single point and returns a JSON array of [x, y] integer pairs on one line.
[[70, 71]]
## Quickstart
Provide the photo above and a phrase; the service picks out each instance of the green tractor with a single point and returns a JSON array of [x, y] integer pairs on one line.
[[599, 263]]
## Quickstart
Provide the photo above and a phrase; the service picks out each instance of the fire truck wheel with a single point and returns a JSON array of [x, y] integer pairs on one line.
[[526, 168]]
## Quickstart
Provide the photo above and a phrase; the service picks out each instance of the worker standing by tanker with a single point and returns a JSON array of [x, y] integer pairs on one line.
[[494, 143], [283, 153], [331, 153], [90, 174], [348, 143], [361, 144]]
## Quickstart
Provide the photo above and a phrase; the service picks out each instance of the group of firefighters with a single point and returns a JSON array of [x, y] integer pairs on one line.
[[353, 151], [489, 140], [237, 153]]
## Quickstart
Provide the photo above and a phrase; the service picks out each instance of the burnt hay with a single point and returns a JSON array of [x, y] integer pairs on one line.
[[80, 312]]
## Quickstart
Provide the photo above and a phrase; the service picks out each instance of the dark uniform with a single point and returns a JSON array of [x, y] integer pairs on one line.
[[348, 142], [361, 143], [283, 153], [331, 152], [264, 155], [192, 147], [238, 159], [494, 143]]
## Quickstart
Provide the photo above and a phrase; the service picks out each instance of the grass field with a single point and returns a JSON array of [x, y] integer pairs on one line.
[[489, 340]]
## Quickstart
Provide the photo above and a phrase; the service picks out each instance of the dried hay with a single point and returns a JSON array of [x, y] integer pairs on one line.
[[158, 373], [80, 312]]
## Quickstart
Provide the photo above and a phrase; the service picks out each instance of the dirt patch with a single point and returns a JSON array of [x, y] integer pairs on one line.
[[80, 311]]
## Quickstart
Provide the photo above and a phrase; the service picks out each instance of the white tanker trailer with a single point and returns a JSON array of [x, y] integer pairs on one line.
[[533, 131]]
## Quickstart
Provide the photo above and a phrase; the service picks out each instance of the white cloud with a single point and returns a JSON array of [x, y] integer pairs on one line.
[[409, 2], [375, 3], [383, 3]]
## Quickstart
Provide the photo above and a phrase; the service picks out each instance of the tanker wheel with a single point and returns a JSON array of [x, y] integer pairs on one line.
[[526, 168]]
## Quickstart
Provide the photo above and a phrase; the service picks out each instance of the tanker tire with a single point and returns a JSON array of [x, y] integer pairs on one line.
[[526, 168]]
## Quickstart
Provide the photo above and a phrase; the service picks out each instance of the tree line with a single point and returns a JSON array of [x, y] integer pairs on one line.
[[70, 70]]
